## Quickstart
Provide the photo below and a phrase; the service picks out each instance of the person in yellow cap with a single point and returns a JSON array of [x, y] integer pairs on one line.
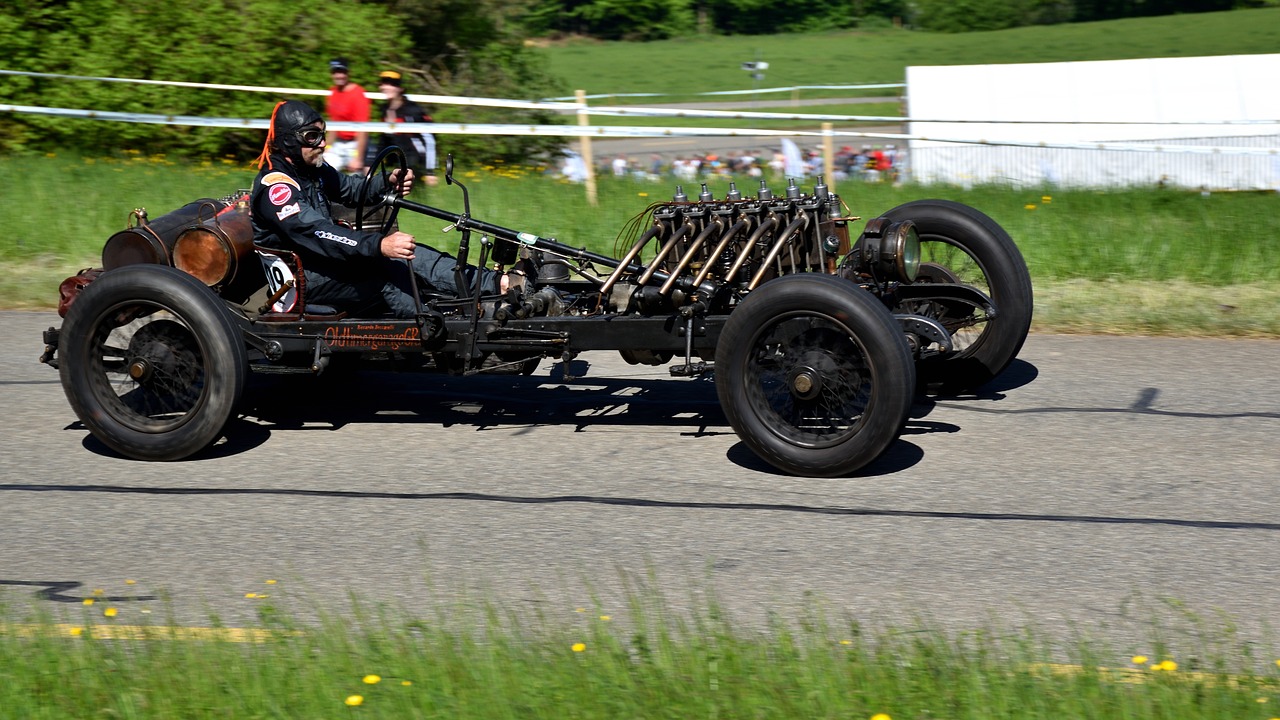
[[419, 148]]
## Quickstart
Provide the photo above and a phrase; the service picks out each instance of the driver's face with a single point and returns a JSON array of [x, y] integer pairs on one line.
[[314, 156]]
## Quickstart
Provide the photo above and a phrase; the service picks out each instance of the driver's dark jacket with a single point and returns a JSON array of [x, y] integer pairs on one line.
[[343, 267], [291, 212]]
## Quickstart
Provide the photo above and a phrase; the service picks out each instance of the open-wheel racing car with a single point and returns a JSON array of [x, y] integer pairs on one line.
[[818, 343]]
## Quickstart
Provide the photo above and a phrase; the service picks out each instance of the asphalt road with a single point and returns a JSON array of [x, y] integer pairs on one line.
[[1101, 483]]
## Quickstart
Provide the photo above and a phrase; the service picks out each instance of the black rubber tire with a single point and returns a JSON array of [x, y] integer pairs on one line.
[[977, 250], [152, 362], [814, 375]]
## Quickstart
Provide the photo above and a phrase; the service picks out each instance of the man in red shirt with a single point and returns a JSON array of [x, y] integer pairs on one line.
[[347, 103]]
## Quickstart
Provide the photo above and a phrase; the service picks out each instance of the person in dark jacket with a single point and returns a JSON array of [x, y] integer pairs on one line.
[[351, 270], [419, 147]]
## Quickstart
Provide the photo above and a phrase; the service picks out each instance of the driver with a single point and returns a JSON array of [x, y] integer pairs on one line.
[[348, 269]]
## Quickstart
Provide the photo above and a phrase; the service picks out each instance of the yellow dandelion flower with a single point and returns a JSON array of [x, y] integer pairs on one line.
[[1169, 665], [1029, 206], [643, 194], [251, 595], [584, 610], [354, 700], [109, 612], [76, 632], [846, 642], [579, 647], [1262, 700], [271, 582], [1046, 199], [881, 716], [1139, 659], [99, 592], [406, 683], [88, 601], [606, 618], [130, 582], [372, 679], [1278, 663]]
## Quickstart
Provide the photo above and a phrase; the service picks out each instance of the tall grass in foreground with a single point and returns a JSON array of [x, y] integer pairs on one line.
[[1139, 259], [652, 666]]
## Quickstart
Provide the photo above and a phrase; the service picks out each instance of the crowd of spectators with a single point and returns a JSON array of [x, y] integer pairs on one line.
[[870, 163]]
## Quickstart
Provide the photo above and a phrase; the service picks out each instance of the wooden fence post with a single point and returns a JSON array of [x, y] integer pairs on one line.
[[587, 160]]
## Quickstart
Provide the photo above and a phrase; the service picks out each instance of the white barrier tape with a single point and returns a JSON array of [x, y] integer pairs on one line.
[[563, 104], [172, 83], [624, 110], [411, 128], [436, 99], [572, 131]]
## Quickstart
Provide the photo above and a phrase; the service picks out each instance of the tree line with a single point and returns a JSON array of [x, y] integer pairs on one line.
[[447, 47], [662, 19]]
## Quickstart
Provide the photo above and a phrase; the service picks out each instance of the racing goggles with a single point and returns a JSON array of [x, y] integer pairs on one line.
[[310, 137]]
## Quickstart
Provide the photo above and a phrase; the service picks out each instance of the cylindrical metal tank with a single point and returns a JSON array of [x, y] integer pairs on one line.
[[218, 251], [151, 241]]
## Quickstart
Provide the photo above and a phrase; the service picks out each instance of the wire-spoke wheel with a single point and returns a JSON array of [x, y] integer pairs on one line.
[[959, 244], [151, 362], [814, 375]]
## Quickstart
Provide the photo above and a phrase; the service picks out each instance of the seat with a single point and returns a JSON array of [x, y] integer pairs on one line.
[[288, 286]]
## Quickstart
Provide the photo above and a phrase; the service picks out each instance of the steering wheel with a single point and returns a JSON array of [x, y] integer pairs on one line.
[[370, 202]]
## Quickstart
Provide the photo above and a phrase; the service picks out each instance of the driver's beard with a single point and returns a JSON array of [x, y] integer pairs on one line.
[[306, 169]]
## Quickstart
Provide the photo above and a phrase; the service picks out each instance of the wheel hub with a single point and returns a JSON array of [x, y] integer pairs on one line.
[[805, 382], [139, 370]]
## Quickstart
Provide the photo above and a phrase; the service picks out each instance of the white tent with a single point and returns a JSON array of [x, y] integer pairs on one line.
[[1211, 122]]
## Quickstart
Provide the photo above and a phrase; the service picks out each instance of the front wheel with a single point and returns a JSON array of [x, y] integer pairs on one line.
[[814, 375], [959, 244], [151, 362]]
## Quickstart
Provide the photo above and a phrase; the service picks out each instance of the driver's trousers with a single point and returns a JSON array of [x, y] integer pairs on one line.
[[435, 271]]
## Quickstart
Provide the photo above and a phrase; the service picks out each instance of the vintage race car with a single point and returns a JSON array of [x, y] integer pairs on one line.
[[818, 342]]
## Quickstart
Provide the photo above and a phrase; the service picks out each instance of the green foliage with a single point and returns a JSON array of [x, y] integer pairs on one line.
[[251, 42], [246, 42], [764, 17], [476, 48], [612, 19], [970, 15]]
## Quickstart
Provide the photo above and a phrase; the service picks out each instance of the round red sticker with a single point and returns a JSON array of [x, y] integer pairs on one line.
[[279, 194]]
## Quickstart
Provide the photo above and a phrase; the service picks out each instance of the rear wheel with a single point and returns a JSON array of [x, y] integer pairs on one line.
[[151, 362], [961, 244], [814, 375]]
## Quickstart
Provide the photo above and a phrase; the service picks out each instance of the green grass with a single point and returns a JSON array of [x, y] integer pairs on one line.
[[680, 68], [477, 661], [1149, 261]]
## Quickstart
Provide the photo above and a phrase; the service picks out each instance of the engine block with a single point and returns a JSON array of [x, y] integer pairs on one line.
[[717, 249]]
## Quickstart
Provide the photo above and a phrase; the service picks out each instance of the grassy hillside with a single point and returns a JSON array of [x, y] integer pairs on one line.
[[707, 64]]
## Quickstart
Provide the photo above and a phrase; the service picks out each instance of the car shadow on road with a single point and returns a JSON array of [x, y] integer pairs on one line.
[[689, 407]]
